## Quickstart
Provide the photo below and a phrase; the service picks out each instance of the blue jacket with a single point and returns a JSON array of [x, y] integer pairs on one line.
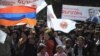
[[95, 20]]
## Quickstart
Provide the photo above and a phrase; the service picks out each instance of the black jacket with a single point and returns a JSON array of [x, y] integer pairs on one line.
[[84, 50]]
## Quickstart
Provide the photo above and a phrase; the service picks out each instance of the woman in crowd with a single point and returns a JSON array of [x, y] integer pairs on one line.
[[60, 51], [42, 51], [49, 42], [21, 44], [68, 47]]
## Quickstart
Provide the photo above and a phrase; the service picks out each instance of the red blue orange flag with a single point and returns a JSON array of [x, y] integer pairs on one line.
[[12, 15]]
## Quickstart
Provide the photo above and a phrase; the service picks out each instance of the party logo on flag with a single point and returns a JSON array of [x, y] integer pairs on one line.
[[63, 25]]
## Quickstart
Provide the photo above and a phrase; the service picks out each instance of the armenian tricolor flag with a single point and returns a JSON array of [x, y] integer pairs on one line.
[[10, 16]]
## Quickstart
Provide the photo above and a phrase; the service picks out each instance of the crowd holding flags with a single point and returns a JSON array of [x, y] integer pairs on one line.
[[35, 36]]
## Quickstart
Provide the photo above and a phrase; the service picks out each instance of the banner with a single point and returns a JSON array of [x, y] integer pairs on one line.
[[82, 13], [5, 3]]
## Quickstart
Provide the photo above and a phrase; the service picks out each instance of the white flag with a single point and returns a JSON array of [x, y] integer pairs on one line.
[[30, 26], [64, 25], [40, 5], [50, 15], [20, 23], [50, 12], [3, 36]]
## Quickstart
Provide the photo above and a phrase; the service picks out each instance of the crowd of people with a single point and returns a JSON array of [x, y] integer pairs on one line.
[[42, 41]]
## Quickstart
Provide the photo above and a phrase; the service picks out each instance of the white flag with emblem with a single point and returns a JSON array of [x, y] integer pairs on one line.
[[64, 25]]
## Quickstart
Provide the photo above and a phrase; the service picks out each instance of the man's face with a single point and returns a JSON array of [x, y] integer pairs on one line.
[[91, 13]]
